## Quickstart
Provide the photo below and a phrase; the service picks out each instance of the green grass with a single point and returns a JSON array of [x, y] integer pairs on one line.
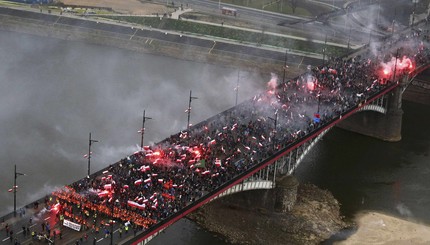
[[7, 3], [234, 34], [284, 8]]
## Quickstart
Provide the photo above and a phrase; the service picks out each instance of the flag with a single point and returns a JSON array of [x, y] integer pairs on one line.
[[201, 163], [217, 162], [138, 182], [317, 118]]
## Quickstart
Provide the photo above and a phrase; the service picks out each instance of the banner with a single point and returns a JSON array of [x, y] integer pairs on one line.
[[72, 225]]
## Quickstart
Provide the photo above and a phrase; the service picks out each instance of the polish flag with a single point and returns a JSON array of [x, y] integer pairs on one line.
[[105, 172], [160, 180], [206, 172], [147, 180], [136, 205], [125, 186], [103, 194], [218, 162], [108, 187], [138, 182]]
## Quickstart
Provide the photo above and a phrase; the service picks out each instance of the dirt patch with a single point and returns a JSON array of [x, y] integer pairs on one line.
[[315, 217], [121, 6]]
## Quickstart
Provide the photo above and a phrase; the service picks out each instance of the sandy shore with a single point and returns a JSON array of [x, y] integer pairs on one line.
[[378, 228]]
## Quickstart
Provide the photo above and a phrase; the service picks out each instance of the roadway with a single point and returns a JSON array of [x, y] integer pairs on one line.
[[127, 32], [338, 24]]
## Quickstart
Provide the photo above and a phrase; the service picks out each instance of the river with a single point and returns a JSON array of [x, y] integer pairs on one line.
[[53, 93]]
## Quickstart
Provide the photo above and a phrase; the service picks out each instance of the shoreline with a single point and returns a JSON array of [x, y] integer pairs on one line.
[[375, 227], [241, 219]]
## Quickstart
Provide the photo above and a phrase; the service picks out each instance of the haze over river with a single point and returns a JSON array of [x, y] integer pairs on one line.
[[53, 93]]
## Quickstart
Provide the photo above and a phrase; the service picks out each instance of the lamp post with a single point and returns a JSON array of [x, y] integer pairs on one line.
[[112, 222], [413, 13], [237, 86], [325, 47], [395, 66], [142, 131], [285, 65], [14, 188], [349, 38], [90, 142], [189, 109], [275, 120], [113, 201], [392, 25]]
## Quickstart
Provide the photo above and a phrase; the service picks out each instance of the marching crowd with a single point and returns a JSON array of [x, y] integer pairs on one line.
[[161, 180]]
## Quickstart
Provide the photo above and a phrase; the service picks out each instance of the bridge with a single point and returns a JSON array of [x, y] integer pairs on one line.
[[243, 148]]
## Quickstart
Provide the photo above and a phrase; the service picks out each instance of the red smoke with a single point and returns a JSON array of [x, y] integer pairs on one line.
[[400, 64]]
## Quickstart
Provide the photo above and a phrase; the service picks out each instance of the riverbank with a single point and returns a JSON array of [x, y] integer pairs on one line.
[[314, 218], [378, 228]]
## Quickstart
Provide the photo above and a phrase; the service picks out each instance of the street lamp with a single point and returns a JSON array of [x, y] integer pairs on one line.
[[394, 19], [275, 120], [325, 48], [349, 38], [112, 222], [413, 12], [142, 131], [90, 141], [395, 66], [237, 86], [285, 65], [14, 188], [189, 109]]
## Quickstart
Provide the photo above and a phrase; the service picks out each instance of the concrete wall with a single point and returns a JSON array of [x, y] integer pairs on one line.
[[386, 127]]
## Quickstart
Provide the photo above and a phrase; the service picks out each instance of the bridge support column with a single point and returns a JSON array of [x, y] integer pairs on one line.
[[286, 193], [386, 127]]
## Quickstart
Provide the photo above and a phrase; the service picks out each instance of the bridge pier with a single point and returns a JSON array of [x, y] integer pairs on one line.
[[286, 193], [386, 127]]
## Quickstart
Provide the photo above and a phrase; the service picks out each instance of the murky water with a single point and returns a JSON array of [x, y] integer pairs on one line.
[[368, 174], [53, 93]]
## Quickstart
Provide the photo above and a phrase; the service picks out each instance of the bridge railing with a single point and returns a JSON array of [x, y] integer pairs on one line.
[[272, 157]]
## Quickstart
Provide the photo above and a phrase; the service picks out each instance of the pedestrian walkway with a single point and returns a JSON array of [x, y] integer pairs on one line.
[[176, 15]]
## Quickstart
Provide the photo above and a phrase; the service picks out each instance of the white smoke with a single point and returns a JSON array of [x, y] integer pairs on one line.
[[404, 210]]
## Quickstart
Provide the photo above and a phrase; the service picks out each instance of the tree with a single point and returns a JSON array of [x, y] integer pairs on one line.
[[294, 4]]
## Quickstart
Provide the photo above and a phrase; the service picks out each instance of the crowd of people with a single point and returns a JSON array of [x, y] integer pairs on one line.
[[159, 181]]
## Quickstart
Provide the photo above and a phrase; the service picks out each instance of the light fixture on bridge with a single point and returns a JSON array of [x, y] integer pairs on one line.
[[90, 142], [275, 120], [14, 189], [142, 130], [189, 109]]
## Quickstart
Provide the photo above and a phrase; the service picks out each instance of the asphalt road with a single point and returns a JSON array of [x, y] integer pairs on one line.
[[128, 32]]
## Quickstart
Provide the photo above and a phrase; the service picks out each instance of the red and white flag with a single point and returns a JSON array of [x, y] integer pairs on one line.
[[138, 182]]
